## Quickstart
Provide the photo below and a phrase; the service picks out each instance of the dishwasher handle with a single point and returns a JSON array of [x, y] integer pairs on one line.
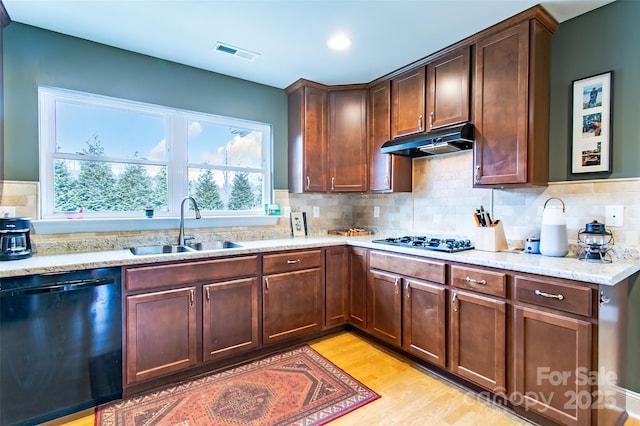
[[58, 287]]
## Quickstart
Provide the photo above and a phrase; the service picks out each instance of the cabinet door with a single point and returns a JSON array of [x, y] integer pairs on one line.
[[501, 107], [424, 325], [448, 89], [385, 307], [307, 109], [347, 142], [161, 333], [292, 304], [387, 173], [230, 318], [551, 351], [336, 286], [478, 340], [358, 273], [408, 101]]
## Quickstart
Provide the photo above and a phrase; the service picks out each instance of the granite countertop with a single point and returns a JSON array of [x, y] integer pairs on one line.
[[565, 267]]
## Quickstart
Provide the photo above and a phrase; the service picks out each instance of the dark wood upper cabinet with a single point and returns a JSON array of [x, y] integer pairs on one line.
[[347, 142], [408, 103], [387, 173], [307, 137], [511, 106], [448, 89]]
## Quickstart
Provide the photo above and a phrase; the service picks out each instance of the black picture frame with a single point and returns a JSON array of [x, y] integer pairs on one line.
[[591, 124]]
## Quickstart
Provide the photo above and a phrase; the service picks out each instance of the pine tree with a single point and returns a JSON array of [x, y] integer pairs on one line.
[[96, 183], [159, 195], [242, 198], [64, 191], [206, 192], [133, 190]]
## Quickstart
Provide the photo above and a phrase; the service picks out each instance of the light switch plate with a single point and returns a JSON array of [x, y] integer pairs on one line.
[[376, 211], [316, 211]]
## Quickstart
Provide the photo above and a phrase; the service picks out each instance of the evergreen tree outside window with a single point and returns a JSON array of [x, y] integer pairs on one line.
[[116, 158]]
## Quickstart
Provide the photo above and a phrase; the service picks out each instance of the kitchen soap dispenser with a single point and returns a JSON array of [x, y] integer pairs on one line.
[[553, 234]]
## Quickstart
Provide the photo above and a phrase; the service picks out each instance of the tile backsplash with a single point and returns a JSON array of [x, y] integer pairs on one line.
[[442, 203]]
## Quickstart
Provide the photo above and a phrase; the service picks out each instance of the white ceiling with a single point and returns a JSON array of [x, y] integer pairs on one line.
[[289, 35]]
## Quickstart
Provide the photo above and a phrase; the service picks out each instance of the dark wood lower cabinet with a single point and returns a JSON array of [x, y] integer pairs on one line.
[[553, 366], [336, 286], [424, 321], [384, 310], [292, 304], [161, 333], [229, 318], [478, 340], [358, 273]]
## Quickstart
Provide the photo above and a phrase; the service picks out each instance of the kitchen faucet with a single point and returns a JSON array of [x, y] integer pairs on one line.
[[198, 216]]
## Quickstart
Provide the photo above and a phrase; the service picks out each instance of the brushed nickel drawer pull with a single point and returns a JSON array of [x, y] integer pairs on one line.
[[420, 122], [333, 182], [308, 182], [266, 283], [191, 297], [208, 292], [454, 296], [431, 120], [408, 290], [472, 281], [550, 296], [395, 285], [293, 262]]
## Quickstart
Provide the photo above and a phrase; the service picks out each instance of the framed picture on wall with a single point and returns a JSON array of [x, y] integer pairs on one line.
[[591, 124], [298, 224]]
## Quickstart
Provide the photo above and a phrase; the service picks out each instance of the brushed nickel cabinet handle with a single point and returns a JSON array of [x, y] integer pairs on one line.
[[266, 283], [548, 295], [431, 120], [408, 290], [308, 182], [454, 304], [191, 297], [208, 294], [420, 122], [472, 281], [293, 262], [388, 182], [333, 181], [477, 174], [395, 285]]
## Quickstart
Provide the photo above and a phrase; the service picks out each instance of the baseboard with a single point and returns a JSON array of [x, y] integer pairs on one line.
[[633, 404]]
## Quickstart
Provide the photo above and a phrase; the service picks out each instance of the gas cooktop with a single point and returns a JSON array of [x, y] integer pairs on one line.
[[449, 245]]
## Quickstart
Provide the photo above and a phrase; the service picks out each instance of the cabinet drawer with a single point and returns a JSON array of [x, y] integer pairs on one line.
[[292, 261], [409, 266], [480, 280], [147, 277], [560, 296]]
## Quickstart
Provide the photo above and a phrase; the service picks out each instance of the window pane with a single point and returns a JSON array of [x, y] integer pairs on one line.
[[216, 144], [99, 186], [120, 133], [226, 190]]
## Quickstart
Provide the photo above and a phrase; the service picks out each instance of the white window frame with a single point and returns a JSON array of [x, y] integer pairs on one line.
[[176, 142]]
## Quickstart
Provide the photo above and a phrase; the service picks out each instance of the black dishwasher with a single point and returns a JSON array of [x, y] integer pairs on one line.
[[60, 344]]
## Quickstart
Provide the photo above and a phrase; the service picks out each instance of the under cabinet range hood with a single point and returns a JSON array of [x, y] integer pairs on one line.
[[439, 141]]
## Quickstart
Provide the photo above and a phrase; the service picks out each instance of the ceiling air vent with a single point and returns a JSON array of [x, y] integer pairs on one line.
[[236, 51]]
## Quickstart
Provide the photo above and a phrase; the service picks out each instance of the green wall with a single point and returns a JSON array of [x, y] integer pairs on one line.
[[34, 56], [602, 40]]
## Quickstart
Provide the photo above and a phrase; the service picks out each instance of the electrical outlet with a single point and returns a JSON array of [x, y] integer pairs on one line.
[[7, 211], [614, 215], [316, 211], [376, 211], [287, 211]]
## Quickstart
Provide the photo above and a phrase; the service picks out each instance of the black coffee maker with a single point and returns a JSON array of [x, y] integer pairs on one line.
[[15, 241]]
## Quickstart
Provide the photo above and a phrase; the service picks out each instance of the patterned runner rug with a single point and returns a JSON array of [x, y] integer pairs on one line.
[[297, 387]]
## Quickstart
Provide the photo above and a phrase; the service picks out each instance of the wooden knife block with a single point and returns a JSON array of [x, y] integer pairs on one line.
[[490, 238]]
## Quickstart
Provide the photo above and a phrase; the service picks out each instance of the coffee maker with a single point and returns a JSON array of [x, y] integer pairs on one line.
[[15, 241]]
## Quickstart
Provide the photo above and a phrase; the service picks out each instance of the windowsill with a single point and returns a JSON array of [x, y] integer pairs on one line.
[[70, 226]]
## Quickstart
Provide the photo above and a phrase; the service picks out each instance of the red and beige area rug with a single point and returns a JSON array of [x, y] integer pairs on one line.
[[297, 387]]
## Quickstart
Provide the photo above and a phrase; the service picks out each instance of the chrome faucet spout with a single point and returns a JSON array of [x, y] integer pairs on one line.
[[198, 216]]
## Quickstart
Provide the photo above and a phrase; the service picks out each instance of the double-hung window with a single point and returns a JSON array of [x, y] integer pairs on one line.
[[115, 158]]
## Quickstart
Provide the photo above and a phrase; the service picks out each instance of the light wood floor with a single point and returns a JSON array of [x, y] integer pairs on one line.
[[408, 396]]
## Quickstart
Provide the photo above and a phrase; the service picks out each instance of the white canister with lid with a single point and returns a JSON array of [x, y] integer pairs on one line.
[[553, 234]]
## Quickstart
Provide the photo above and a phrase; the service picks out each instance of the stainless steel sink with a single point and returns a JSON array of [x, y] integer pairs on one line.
[[213, 245], [146, 250], [163, 249]]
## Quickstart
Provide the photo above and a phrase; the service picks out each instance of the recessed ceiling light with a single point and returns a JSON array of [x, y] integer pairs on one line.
[[339, 42]]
